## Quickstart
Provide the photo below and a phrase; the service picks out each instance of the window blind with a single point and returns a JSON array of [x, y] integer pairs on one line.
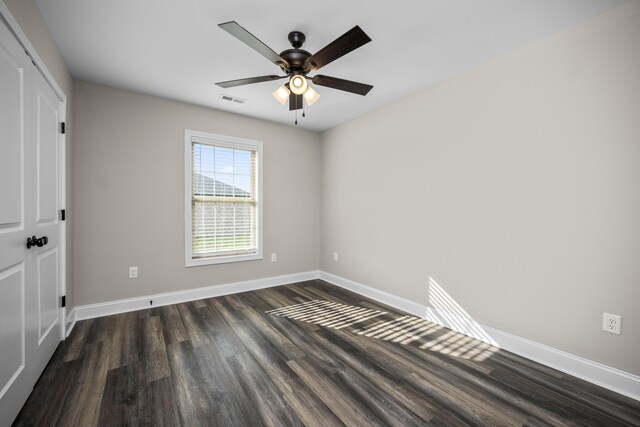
[[223, 201]]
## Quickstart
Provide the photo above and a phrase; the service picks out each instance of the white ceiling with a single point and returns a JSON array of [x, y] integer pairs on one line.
[[174, 49]]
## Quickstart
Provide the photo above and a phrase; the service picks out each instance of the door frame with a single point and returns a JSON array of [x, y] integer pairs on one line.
[[14, 27]]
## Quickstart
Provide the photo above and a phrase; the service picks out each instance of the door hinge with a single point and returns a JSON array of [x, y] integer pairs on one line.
[[63, 127], [63, 215], [63, 301]]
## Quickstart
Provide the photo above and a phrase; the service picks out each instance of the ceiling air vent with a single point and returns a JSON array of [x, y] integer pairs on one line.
[[233, 99]]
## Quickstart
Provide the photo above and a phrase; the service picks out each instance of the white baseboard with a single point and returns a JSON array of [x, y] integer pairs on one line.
[[70, 322], [395, 301], [139, 303], [594, 372]]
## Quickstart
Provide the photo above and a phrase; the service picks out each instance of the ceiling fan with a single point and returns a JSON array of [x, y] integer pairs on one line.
[[297, 64]]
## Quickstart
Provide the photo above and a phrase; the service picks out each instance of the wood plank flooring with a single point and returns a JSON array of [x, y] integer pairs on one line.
[[302, 354]]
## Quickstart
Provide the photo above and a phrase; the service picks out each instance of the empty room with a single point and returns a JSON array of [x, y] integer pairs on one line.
[[252, 213]]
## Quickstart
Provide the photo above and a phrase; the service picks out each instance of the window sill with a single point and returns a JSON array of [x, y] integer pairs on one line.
[[222, 259]]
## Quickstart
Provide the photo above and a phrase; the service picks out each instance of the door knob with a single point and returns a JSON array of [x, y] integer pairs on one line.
[[35, 241]]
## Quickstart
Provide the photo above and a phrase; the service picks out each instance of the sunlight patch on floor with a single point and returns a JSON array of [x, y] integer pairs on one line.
[[326, 313], [405, 330]]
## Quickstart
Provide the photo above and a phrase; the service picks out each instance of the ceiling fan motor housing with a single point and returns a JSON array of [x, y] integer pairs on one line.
[[296, 59]]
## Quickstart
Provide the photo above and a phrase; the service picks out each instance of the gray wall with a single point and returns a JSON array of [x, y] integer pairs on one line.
[[28, 16], [129, 189], [514, 186]]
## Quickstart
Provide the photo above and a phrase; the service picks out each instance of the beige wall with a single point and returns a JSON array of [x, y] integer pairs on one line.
[[129, 167], [28, 16], [514, 186]]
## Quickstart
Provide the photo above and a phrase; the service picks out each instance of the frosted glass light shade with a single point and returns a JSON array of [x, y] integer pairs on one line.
[[311, 96], [282, 94], [298, 84]]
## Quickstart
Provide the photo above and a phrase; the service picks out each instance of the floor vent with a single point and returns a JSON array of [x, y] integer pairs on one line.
[[233, 99]]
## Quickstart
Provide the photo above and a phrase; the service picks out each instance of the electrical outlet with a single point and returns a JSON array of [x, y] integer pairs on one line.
[[274, 257], [133, 272], [335, 256], [612, 323]]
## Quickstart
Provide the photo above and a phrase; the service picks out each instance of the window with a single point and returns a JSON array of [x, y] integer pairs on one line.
[[223, 199]]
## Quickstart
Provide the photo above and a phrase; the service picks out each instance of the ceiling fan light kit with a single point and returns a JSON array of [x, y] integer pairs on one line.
[[311, 96], [282, 94], [297, 64], [298, 84]]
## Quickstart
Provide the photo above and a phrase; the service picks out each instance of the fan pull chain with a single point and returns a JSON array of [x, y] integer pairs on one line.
[[296, 105]]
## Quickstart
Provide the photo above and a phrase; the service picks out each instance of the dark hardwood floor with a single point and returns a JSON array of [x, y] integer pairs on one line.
[[303, 354]]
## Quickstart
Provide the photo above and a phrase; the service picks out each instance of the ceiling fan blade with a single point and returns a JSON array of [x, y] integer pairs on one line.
[[351, 40], [295, 102], [248, 81], [341, 84], [252, 41]]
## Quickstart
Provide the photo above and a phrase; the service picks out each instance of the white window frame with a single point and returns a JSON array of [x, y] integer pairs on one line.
[[191, 136]]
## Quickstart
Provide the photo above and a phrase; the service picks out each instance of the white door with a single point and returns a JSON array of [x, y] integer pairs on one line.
[[15, 261], [29, 278], [46, 225]]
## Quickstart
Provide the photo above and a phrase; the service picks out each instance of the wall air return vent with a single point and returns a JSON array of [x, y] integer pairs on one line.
[[233, 99]]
